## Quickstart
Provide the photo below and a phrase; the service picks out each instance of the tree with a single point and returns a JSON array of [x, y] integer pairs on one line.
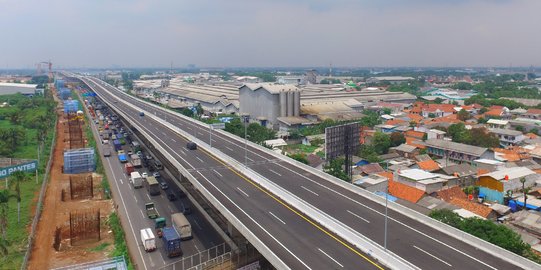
[[483, 110], [187, 112], [458, 133], [463, 115], [334, 168], [299, 157], [386, 110], [258, 133], [397, 138], [370, 120], [4, 197], [438, 100], [381, 142], [16, 179], [447, 216], [523, 181], [367, 152], [481, 137]]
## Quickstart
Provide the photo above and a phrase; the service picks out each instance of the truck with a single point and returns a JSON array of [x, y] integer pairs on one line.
[[171, 242], [117, 144], [136, 179], [136, 161], [148, 239], [153, 186], [152, 213], [181, 223], [128, 168], [136, 146]]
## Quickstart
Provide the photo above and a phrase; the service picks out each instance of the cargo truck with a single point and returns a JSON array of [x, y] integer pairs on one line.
[[152, 213], [136, 161], [181, 223], [153, 186], [117, 144], [148, 239], [136, 179], [171, 242], [128, 168]]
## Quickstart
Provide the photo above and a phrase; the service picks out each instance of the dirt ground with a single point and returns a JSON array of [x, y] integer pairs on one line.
[[56, 214]]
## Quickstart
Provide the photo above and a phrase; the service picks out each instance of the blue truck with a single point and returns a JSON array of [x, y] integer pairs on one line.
[[171, 242], [117, 144]]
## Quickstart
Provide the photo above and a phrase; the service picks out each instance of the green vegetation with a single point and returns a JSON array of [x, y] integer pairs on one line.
[[35, 118], [299, 157], [475, 136], [412, 87], [307, 149], [481, 100], [98, 248], [335, 169], [256, 132], [487, 230], [330, 81], [121, 249]]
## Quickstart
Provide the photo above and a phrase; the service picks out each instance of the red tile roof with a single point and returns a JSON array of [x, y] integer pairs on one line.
[[442, 107], [428, 165], [534, 111], [476, 208], [405, 192], [394, 122], [494, 112], [415, 117], [414, 134], [450, 193]]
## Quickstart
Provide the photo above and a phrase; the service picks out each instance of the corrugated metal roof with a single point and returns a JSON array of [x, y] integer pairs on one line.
[[457, 147]]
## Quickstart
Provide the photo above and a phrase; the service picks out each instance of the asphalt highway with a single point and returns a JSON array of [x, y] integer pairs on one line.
[[410, 239], [296, 240]]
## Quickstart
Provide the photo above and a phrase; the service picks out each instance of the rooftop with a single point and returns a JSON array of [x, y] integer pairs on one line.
[[497, 122], [428, 165], [405, 192], [508, 132], [416, 174], [457, 147], [511, 173]]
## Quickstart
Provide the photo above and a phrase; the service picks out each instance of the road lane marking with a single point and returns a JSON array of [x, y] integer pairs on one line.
[[122, 182], [218, 173], [198, 158], [246, 194], [229, 148], [330, 257], [142, 214], [277, 218], [249, 159], [364, 219], [275, 172], [200, 133], [147, 196], [173, 140], [197, 223], [182, 152], [163, 133], [196, 247], [303, 187], [420, 249]]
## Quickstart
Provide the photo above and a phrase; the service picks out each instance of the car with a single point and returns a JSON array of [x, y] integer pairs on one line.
[[164, 185], [130, 152], [105, 142], [171, 196], [191, 145], [144, 174], [151, 168], [106, 152], [121, 152], [186, 209], [140, 154], [141, 114], [148, 157], [156, 174]]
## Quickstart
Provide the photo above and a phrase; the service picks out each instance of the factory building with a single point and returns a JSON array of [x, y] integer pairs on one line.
[[14, 88], [270, 104]]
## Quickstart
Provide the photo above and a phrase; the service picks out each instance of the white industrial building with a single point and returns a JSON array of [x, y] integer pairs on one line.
[[14, 88]]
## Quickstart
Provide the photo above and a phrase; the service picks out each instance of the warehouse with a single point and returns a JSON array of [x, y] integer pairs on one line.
[[14, 88]]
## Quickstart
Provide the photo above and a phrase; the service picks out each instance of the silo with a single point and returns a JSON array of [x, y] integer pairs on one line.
[[297, 103], [283, 104], [290, 99]]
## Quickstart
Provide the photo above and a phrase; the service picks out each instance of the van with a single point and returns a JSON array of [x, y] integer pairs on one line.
[[158, 164]]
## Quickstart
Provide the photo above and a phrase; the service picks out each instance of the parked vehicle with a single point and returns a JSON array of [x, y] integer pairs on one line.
[[156, 174], [152, 186], [136, 179], [152, 213], [144, 175], [181, 223], [158, 164], [148, 239], [171, 242]]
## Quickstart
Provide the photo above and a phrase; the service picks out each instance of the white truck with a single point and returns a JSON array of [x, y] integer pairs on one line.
[[181, 223], [136, 179], [148, 239]]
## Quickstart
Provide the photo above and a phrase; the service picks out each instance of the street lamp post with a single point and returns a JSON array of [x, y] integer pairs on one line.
[[245, 120], [386, 200], [210, 135]]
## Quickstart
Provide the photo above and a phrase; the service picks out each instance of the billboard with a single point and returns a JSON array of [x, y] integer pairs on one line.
[[25, 167], [341, 140]]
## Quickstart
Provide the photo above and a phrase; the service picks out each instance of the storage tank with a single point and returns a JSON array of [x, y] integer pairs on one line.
[[290, 103], [297, 103], [283, 104]]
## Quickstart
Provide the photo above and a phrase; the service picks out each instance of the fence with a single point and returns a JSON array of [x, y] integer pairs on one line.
[[79, 161], [84, 225], [40, 201]]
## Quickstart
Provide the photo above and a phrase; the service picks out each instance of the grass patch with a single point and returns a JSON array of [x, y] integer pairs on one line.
[[121, 249], [17, 233], [301, 148], [100, 247]]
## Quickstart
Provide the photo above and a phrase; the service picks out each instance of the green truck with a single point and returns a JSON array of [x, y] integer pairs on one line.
[[152, 213]]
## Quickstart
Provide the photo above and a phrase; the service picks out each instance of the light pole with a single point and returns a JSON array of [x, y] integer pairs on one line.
[[245, 120], [210, 135], [386, 200]]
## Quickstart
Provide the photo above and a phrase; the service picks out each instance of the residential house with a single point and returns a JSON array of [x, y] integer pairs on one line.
[[494, 185], [405, 192], [458, 152], [489, 165], [457, 197], [437, 110], [497, 123], [423, 180], [435, 134], [532, 114], [407, 151], [428, 165], [498, 112], [508, 136], [466, 174], [385, 128], [372, 183], [369, 169]]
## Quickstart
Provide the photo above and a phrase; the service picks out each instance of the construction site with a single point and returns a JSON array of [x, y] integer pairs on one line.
[[73, 228]]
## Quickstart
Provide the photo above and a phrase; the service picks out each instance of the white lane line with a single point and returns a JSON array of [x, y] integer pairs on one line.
[[277, 218], [196, 247], [393, 219], [275, 172], [249, 159], [330, 257], [142, 214], [163, 261], [163, 133], [182, 152], [198, 158], [173, 140], [135, 197], [197, 223], [303, 187], [364, 219], [229, 148], [218, 173], [420, 249], [200, 133], [147, 196], [189, 128], [214, 140], [246, 194], [121, 181]]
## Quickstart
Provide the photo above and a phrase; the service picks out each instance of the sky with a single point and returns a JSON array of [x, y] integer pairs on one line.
[[270, 33]]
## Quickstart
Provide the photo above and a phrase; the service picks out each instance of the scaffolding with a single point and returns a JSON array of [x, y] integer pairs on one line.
[[79, 161], [71, 106], [65, 93]]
